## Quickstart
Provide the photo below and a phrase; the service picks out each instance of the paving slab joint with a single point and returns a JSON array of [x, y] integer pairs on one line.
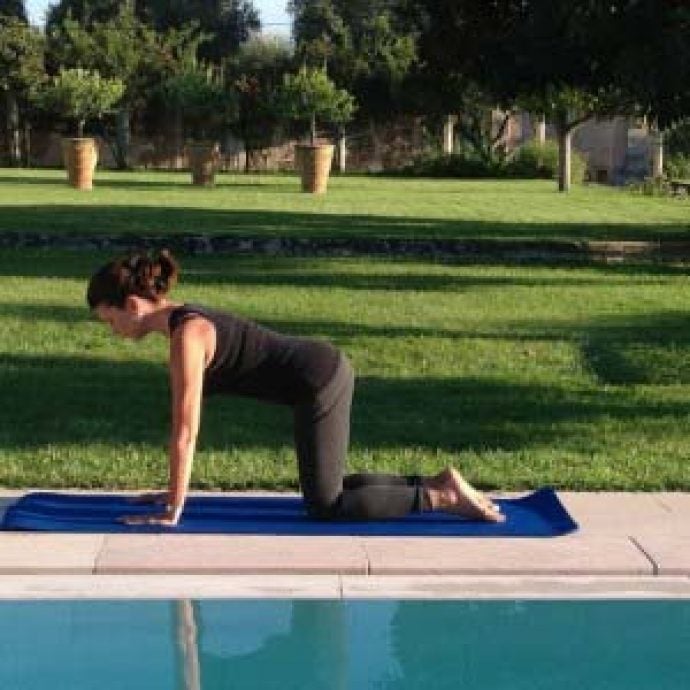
[[647, 555], [95, 570], [367, 559]]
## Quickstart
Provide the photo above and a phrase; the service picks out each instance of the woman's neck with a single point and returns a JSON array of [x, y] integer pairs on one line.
[[157, 320]]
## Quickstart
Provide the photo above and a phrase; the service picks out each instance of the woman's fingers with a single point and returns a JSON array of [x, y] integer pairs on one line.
[[160, 520]]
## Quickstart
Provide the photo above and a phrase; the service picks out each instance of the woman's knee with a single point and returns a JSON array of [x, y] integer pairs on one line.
[[323, 509]]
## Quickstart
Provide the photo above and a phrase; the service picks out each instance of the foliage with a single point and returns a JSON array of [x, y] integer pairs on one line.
[[121, 47], [14, 8], [21, 56], [256, 73], [554, 59], [84, 12], [677, 138], [361, 45], [534, 160], [227, 23], [204, 104], [80, 95], [677, 166], [310, 95], [531, 161], [651, 42], [456, 165]]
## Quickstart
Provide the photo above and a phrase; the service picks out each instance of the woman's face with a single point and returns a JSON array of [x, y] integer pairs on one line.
[[124, 322]]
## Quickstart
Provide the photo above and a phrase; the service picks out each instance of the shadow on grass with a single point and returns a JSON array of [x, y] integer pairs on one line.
[[166, 220], [181, 183], [52, 400], [301, 272], [649, 349]]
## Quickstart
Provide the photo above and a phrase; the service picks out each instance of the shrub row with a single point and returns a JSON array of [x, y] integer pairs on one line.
[[531, 161]]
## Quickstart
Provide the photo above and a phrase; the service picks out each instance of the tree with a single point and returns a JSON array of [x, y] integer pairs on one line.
[[364, 48], [85, 12], [256, 73], [653, 65], [205, 106], [21, 71], [310, 95], [125, 48], [14, 8], [555, 57], [79, 95], [229, 23]]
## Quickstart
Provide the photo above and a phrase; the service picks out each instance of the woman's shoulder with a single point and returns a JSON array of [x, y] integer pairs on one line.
[[186, 312]]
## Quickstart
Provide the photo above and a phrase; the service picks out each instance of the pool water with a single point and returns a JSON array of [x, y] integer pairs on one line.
[[345, 645]]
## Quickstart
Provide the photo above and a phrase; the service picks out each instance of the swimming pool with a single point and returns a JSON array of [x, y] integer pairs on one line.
[[344, 644]]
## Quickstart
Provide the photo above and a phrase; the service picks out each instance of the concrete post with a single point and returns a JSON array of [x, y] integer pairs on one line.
[[448, 134], [657, 145], [540, 130], [342, 151]]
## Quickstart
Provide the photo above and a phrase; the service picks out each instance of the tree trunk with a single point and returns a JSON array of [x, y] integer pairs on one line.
[[123, 139], [178, 138], [313, 130], [540, 130], [564, 156], [27, 144], [376, 163], [14, 147]]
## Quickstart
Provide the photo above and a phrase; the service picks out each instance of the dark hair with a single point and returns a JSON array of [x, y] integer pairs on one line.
[[136, 274]]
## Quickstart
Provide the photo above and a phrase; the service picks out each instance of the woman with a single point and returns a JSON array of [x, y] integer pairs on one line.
[[213, 352]]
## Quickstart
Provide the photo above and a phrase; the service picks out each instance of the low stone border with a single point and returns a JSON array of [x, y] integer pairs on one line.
[[471, 250]]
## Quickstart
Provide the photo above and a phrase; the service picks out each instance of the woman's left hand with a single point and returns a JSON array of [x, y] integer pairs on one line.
[[167, 519]]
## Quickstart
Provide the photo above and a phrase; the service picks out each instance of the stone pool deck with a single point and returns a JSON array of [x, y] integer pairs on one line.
[[627, 545]]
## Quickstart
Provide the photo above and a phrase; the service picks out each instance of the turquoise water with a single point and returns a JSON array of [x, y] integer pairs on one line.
[[345, 645]]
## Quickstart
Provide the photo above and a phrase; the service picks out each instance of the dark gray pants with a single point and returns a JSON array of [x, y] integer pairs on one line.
[[322, 435]]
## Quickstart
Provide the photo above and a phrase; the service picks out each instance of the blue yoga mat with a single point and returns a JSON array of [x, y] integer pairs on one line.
[[540, 514]]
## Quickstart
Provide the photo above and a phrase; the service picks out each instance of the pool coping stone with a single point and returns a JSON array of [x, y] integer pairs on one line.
[[635, 544]]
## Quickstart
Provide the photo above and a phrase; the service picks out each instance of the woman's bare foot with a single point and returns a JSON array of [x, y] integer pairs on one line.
[[450, 492]]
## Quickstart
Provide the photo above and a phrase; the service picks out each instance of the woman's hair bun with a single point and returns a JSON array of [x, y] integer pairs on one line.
[[151, 277], [136, 274], [166, 270]]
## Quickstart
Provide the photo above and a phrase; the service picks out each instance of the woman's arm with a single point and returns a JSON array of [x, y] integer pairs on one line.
[[188, 356]]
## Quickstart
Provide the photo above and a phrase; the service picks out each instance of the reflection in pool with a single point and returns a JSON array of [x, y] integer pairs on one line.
[[339, 645]]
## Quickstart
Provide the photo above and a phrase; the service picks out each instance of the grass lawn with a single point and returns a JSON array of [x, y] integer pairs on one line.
[[523, 376], [165, 203]]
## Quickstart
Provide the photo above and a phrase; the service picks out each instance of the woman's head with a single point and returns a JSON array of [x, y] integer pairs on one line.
[[124, 290]]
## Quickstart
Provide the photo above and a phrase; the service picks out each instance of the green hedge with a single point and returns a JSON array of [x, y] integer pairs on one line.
[[530, 161]]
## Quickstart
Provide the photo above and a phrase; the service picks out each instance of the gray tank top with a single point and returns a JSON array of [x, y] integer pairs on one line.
[[256, 362]]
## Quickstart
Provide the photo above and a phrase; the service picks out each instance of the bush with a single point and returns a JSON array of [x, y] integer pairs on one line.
[[650, 186], [677, 139], [678, 166], [535, 160], [530, 161], [451, 165]]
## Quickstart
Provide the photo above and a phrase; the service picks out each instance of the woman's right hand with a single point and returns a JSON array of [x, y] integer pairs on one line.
[[150, 498]]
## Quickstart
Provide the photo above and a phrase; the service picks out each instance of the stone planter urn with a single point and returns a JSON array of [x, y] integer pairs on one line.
[[313, 162], [203, 162], [80, 156]]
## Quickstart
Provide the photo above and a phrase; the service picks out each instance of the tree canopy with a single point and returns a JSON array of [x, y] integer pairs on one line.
[[13, 8]]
